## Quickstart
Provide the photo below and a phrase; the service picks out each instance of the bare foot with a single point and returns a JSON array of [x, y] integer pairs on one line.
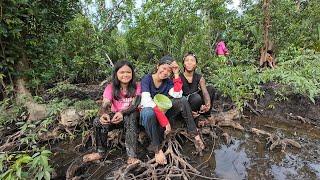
[[132, 160], [198, 143], [91, 157], [160, 158]]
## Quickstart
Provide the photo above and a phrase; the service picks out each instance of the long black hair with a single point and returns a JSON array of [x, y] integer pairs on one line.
[[189, 53], [116, 88]]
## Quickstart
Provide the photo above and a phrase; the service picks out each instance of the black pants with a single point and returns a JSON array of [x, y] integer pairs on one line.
[[155, 132], [130, 126], [196, 100]]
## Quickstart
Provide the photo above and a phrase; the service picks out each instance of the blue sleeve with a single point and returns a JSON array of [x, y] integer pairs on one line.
[[169, 86], [170, 83], [145, 84]]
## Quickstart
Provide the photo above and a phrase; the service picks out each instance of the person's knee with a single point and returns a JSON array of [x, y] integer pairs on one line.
[[133, 117], [177, 104], [195, 101], [152, 123], [96, 122], [147, 116]]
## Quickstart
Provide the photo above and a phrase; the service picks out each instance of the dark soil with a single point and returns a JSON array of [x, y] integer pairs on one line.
[[247, 157], [296, 104]]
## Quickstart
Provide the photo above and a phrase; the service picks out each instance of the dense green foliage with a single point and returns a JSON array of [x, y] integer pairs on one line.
[[49, 42], [24, 166], [294, 75]]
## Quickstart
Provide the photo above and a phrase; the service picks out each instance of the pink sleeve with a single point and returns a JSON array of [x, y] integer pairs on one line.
[[138, 90], [108, 92]]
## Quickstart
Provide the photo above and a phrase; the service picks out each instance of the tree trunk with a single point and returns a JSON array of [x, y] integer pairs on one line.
[[23, 96], [266, 25], [298, 2]]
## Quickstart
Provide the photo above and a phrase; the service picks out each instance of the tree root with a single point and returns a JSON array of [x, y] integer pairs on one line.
[[177, 166], [73, 168], [11, 141], [254, 110], [233, 124], [223, 119], [50, 134], [300, 118], [274, 140], [36, 111], [227, 138], [85, 138]]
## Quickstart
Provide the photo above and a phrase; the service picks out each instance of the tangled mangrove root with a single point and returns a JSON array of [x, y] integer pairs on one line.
[[177, 166], [300, 118], [274, 140]]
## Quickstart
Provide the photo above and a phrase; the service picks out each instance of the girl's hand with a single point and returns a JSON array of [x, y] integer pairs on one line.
[[175, 67], [105, 119], [204, 108], [195, 114], [168, 129], [117, 118]]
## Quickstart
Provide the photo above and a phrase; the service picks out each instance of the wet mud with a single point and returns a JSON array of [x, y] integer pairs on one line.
[[246, 157]]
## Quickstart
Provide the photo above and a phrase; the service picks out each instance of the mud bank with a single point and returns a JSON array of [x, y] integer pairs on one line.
[[278, 107]]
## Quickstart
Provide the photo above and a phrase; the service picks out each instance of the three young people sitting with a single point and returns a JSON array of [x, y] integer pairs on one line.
[[123, 98]]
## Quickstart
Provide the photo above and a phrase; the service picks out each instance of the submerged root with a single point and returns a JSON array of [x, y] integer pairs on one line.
[[275, 141], [227, 138], [233, 124]]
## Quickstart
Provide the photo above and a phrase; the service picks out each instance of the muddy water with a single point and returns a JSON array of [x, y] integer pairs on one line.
[[247, 157]]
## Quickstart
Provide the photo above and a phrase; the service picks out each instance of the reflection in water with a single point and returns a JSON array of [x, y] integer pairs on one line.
[[315, 168], [280, 172], [231, 162]]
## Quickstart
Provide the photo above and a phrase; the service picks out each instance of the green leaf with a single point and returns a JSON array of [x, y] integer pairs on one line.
[[18, 172], [39, 176], [46, 152], [25, 159], [44, 161], [47, 175]]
